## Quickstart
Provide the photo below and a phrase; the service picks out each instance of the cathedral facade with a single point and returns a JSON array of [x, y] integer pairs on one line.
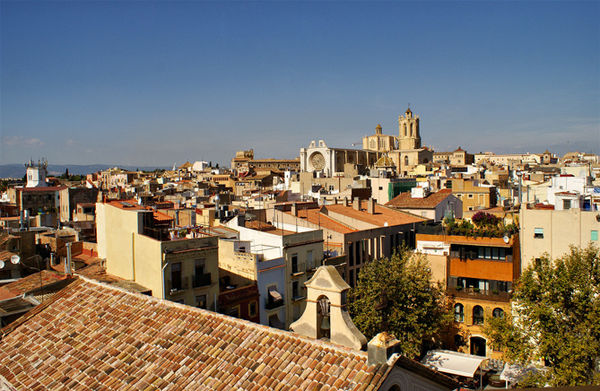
[[404, 150]]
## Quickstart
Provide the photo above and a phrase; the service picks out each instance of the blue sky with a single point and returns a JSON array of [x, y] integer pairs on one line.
[[153, 83]]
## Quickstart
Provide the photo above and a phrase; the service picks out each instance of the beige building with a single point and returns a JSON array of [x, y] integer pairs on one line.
[[379, 142], [459, 157], [136, 244], [551, 232]]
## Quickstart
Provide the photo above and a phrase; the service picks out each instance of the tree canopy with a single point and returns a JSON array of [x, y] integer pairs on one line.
[[396, 295], [556, 318]]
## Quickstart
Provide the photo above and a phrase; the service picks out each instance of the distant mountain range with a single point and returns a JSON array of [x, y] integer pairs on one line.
[[18, 170]]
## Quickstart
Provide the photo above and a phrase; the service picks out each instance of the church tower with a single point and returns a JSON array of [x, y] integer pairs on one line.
[[409, 135]]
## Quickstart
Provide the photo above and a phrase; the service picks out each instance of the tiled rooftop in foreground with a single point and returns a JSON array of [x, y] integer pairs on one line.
[[95, 336]]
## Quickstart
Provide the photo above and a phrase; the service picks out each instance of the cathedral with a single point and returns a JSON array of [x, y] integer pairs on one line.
[[404, 150]]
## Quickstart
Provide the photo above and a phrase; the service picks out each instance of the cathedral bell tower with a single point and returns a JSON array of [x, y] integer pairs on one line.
[[409, 135]]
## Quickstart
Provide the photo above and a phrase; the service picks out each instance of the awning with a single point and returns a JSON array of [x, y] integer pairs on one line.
[[275, 296], [514, 373], [454, 363]]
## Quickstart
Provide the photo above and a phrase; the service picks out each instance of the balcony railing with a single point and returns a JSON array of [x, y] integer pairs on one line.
[[475, 293], [201, 280]]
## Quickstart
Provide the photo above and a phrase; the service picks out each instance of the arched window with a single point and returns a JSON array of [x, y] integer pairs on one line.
[[412, 129], [405, 131], [477, 315], [498, 313], [372, 144], [395, 387], [406, 160], [459, 313]]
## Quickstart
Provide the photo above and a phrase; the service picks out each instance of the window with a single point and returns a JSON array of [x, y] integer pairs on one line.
[[498, 313], [459, 314], [176, 276], [180, 301], [538, 233], [406, 160], [201, 301], [566, 204], [295, 290], [252, 308], [380, 187], [309, 259], [351, 278], [477, 315], [470, 195], [594, 236], [295, 263]]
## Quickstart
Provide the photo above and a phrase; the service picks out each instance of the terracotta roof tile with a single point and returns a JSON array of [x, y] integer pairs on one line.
[[404, 200], [26, 284], [382, 216], [91, 335]]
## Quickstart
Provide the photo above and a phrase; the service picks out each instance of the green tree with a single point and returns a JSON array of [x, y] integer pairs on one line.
[[556, 318], [396, 295]]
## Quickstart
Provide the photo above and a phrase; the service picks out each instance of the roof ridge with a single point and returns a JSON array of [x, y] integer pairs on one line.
[[227, 318]]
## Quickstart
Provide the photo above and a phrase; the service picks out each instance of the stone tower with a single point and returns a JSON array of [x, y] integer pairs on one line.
[[409, 135], [326, 315]]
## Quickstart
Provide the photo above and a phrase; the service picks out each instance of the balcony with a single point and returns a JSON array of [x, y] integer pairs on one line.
[[201, 280], [474, 293], [274, 300]]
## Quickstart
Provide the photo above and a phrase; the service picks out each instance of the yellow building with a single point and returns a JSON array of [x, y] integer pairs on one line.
[[137, 246], [473, 196]]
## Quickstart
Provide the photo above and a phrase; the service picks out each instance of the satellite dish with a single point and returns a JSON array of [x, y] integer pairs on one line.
[[1, 264], [506, 239], [15, 259]]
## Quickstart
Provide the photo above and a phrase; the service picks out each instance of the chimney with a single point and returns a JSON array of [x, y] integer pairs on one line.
[[356, 203], [381, 348], [295, 209], [371, 206], [68, 270]]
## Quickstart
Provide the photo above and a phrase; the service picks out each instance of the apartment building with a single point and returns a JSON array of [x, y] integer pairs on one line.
[[301, 252], [244, 263], [479, 274], [138, 245], [549, 231]]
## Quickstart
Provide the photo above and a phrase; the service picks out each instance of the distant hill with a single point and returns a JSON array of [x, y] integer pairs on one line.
[[18, 170]]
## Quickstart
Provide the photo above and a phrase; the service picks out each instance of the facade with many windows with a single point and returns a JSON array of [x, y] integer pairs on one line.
[[480, 273]]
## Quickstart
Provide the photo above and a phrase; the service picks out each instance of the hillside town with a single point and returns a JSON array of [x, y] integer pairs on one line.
[[246, 277]]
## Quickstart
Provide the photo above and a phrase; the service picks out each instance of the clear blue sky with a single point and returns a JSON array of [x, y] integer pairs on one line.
[[153, 83]]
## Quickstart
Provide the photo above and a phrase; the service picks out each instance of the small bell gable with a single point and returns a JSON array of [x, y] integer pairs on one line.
[[326, 315]]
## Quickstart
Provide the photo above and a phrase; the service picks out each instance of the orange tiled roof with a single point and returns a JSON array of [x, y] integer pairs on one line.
[[94, 336], [26, 284], [404, 200], [314, 216], [381, 216]]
